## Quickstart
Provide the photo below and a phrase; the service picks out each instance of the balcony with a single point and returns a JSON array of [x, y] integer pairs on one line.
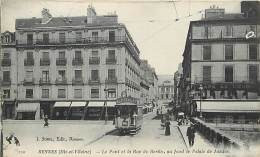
[[61, 61], [6, 62], [45, 62], [44, 82], [94, 95], [28, 82], [77, 81], [6, 83], [110, 60], [29, 62], [94, 60], [62, 81], [111, 80], [77, 61], [94, 82]]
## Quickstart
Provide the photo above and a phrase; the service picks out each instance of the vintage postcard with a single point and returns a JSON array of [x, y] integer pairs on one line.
[[134, 78]]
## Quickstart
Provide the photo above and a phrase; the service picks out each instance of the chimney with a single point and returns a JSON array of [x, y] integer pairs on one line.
[[214, 11], [91, 14], [46, 16]]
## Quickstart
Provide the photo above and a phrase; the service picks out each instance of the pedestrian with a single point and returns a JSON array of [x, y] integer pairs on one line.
[[16, 141], [9, 139], [167, 127], [46, 123], [191, 134]]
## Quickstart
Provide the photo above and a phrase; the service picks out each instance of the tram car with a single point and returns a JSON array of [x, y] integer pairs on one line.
[[129, 116]]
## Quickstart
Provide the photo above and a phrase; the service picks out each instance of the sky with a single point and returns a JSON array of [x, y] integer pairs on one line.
[[151, 23]]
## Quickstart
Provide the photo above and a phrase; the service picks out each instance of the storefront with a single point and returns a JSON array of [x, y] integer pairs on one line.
[[61, 110], [76, 111], [96, 110], [229, 111], [46, 107], [8, 109], [28, 111]]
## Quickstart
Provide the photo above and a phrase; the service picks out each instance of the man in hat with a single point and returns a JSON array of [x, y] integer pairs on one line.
[[191, 134]]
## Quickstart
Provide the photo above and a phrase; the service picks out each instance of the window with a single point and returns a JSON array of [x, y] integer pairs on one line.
[[78, 37], [253, 73], [162, 89], [6, 93], [94, 53], [207, 52], [77, 93], [77, 54], [228, 30], [62, 37], [78, 74], [29, 93], [111, 36], [206, 74], [29, 55], [45, 76], [45, 55], [95, 36], [29, 38], [45, 37], [6, 76], [94, 93], [29, 75], [6, 55], [228, 52], [111, 54], [111, 74], [253, 51], [94, 75], [61, 74], [229, 74], [207, 31], [62, 54], [111, 93], [61, 93], [45, 93]]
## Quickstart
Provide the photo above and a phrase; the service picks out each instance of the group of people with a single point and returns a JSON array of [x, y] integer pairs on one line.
[[13, 138]]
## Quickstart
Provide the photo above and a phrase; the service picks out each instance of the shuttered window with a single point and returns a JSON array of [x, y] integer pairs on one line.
[[228, 52], [111, 74], [78, 37], [94, 75], [253, 72], [61, 93], [253, 51], [228, 74], [62, 37], [94, 93], [206, 52], [207, 74]]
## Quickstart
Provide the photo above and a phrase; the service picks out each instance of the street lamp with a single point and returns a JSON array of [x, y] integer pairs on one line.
[[200, 88]]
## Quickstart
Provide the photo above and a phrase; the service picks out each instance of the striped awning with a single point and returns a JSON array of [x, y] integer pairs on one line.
[[96, 104], [229, 106], [78, 104], [27, 107], [111, 103], [62, 104]]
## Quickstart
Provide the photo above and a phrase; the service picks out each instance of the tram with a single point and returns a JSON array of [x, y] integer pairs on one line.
[[129, 115]]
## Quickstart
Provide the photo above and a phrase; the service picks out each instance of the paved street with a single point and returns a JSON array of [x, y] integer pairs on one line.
[[97, 139]]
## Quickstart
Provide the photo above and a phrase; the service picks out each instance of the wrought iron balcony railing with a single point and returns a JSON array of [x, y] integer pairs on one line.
[[93, 82], [61, 61], [45, 81], [6, 62], [110, 60], [62, 81], [45, 62], [111, 80], [94, 60], [28, 81], [77, 61], [29, 62], [94, 95], [6, 82], [77, 81]]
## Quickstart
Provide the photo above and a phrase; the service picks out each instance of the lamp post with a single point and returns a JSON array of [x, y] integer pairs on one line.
[[106, 116], [200, 88]]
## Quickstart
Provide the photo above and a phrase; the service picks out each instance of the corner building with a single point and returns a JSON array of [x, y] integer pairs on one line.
[[83, 59]]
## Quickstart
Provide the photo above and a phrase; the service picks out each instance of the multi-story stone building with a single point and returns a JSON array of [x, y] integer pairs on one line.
[[221, 57], [72, 59], [165, 88]]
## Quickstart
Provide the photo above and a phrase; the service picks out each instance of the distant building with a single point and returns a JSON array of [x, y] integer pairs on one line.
[[221, 61], [165, 88]]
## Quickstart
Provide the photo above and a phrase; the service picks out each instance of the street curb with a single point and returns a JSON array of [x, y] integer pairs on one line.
[[183, 138]]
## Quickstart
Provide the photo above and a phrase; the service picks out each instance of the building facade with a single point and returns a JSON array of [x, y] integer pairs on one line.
[[221, 58], [165, 88], [64, 59]]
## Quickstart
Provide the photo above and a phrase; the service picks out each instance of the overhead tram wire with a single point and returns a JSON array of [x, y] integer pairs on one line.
[[140, 1]]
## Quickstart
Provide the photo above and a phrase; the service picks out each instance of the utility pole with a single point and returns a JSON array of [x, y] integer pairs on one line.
[[106, 116], [1, 116]]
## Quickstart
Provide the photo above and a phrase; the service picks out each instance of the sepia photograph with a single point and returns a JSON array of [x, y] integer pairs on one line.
[[130, 78]]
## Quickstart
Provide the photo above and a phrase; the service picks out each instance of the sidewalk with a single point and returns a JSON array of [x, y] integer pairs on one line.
[[199, 141]]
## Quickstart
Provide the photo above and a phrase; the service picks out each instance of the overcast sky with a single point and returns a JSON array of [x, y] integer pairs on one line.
[[152, 24]]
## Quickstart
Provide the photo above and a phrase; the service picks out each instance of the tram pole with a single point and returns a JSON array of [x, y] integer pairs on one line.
[[106, 116]]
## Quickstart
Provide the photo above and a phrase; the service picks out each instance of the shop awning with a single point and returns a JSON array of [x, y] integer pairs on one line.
[[78, 104], [111, 103], [229, 106], [96, 104], [62, 104], [27, 107]]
